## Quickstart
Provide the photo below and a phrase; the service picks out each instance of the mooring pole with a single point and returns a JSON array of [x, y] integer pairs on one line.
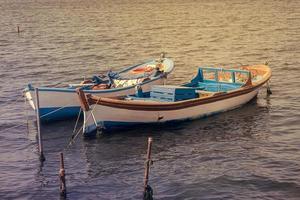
[[268, 88], [26, 114], [62, 177], [18, 29], [148, 192], [268, 82], [37, 108]]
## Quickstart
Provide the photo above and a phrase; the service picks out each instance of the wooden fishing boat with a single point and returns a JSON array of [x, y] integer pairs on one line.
[[212, 91], [61, 103]]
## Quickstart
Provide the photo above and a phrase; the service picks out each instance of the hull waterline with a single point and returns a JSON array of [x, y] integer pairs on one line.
[[213, 96], [116, 118], [62, 103], [59, 104]]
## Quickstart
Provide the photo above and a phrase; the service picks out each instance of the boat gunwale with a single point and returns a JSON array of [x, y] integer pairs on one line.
[[111, 90], [163, 106], [46, 89]]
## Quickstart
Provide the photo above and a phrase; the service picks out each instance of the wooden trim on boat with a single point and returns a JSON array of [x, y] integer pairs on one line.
[[163, 106], [83, 100], [168, 106]]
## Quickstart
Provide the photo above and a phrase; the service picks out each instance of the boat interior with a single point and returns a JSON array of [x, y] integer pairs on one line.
[[129, 77], [209, 81]]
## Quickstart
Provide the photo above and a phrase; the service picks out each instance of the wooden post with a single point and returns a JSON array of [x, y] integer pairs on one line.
[[148, 163], [26, 114], [18, 29], [268, 88], [62, 177], [37, 108], [268, 82], [84, 104]]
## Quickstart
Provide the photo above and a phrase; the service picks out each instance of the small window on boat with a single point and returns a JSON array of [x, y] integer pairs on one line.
[[209, 75], [225, 77], [241, 77]]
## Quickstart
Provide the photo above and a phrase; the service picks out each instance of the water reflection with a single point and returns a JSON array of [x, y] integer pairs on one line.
[[111, 153]]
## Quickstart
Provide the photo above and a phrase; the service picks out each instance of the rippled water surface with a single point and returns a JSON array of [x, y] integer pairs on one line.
[[249, 153]]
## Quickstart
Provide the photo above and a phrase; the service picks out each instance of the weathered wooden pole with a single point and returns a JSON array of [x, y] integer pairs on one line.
[[148, 192], [18, 29], [37, 108], [268, 82], [62, 177], [26, 114], [268, 88]]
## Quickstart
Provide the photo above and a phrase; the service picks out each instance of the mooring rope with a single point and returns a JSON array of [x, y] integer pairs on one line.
[[54, 111], [16, 126], [75, 127], [74, 136], [8, 102]]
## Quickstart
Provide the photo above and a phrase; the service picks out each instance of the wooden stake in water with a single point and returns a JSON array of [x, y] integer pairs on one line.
[[62, 177], [37, 108], [18, 29], [268, 82], [268, 88], [147, 189]]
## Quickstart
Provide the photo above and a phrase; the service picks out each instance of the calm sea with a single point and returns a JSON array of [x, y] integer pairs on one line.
[[249, 153]]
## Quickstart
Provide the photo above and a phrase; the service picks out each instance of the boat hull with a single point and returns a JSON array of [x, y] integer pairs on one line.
[[58, 104], [115, 117]]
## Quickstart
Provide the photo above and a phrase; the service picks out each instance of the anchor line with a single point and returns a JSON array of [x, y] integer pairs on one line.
[[77, 120], [8, 102], [74, 136], [3, 130], [54, 111]]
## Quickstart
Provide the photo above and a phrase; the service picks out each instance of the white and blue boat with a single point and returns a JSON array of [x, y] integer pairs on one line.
[[212, 91], [62, 103]]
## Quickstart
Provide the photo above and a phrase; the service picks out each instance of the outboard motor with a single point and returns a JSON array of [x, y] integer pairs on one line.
[[138, 91]]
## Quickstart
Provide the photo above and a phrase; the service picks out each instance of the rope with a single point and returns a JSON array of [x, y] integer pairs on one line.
[[54, 111], [16, 126], [8, 102], [73, 137], [75, 127], [3, 130]]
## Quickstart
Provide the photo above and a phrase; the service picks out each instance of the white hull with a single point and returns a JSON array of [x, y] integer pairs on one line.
[[51, 100], [62, 103], [107, 116]]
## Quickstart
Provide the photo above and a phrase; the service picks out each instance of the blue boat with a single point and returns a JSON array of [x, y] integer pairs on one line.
[[62, 103]]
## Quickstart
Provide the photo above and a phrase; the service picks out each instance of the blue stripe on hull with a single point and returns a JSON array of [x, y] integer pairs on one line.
[[64, 113], [108, 126]]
